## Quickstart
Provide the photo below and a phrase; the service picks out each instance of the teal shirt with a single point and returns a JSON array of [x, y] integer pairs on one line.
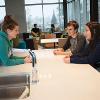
[[5, 52]]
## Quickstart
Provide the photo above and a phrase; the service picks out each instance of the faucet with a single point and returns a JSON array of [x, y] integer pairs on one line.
[[33, 58]]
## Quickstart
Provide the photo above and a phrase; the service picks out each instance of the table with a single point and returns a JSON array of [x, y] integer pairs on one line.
[[22, 68], [15, 79], [53, 40], [49, 40], [60, 81]]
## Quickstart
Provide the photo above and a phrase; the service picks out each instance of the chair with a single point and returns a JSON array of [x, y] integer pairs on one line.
[[49, 36], [16, 86], [30, 44], [58, 34], [18, 42], [22, 44], [25, 36]]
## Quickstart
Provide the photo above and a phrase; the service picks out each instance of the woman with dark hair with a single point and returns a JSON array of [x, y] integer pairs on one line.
[[10, 29], [91, 53], [75, 41]]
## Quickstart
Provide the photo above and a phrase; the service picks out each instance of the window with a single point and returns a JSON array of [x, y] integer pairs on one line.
[[70, 10], [34, 16], [2, 3], [88, 10], [2, 11], [84, 13], [51, 16], [79, 10], [32, 1], [44, 13], [50, 1]]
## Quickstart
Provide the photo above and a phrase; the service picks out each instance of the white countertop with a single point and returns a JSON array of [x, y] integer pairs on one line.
[[60, 81]]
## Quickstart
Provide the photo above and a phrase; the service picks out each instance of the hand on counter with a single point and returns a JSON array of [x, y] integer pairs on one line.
[[28, 59]]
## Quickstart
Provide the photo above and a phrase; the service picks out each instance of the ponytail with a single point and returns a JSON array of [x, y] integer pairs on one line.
[[9, 23]]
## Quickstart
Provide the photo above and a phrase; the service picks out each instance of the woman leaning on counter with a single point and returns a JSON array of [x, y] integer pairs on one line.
[[91, 53], [10, 29]]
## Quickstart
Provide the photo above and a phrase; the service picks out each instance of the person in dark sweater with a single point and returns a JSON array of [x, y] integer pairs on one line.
[[91, 53], [35, 31], [75, 41], [52, 28]]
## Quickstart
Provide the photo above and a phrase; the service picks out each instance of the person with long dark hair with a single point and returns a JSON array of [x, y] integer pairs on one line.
[[10, 29], [91, 53]]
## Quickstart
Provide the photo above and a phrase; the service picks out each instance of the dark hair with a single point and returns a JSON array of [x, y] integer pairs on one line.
[[52, 28], [74, 24], [8, 23], [95, 32], [35, 25], [52, 25]]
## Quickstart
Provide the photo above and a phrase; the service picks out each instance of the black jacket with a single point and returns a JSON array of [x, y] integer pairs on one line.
[[81, 41], [88, 56]]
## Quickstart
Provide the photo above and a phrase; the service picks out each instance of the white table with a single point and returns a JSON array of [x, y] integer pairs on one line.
[[22, 68], [53, 40], [20, 52], [60, 81]]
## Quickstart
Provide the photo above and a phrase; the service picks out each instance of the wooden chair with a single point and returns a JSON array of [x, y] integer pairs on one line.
[[49, 36]]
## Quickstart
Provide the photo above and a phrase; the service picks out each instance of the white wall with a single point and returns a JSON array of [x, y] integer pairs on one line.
[[16, 8]]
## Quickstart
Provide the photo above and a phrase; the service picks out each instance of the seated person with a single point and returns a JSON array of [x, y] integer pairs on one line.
[[35, 31], [91, 53], [52, 28], [75, 42], [10, 29]]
